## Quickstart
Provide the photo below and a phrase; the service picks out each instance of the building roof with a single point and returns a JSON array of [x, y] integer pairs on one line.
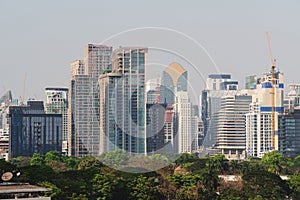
[[57, 88], [175, 70], [11, 188]]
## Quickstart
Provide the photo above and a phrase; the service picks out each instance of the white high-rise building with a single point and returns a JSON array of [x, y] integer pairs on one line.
[[186, 133], [231, 138], [259, 124]]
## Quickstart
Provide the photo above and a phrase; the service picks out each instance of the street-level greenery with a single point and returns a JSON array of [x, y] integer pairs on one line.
[[189, 177]]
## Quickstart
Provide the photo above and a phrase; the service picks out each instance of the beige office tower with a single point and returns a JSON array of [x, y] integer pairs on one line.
[[84, 132]]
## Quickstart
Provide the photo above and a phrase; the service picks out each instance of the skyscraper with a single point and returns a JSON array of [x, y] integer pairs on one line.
[[184, 122], [289, 133], [174, 79], [217, 86], [231, 137], [57, 103], [122, 102], [259, 123], [84, 131]]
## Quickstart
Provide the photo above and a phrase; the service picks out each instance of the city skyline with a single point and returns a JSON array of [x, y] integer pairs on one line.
[[38, 45]]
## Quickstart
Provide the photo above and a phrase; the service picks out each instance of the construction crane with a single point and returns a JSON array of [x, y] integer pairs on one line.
[[273, 61]]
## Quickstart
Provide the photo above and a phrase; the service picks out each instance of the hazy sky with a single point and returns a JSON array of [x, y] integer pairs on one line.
[[39, 39]]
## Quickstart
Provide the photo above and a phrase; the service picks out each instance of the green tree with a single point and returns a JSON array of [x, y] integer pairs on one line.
[[265, 184], [57, 165], [89, 162], [296, 163], [72, 162], [21, 161], [114, 159], [6, 166], [104, 185], [210, 183], [79, 197], [76, 182], [294, 183], [234, 167], [186, 158], [37, 159], [275, 162], [53, 156], [54, 192], [217, 164], [36, 174], [144, 188], [198, 166], [231, 194]]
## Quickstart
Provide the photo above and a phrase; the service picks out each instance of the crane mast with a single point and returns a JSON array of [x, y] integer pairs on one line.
[[273, 61]]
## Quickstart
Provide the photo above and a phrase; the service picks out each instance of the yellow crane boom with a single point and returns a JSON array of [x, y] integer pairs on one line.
[[273, 61]]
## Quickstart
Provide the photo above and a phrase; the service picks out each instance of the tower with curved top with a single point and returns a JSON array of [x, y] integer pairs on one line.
[[174, 79]]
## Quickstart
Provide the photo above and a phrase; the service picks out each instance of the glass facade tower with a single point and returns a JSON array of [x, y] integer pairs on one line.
[[122, 102]]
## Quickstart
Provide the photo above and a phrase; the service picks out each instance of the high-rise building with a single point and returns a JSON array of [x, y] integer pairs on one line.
[[57, 103], [292, 99], [170, 131], [33, 131], [84, 131], [151, 96], [231, 137], [289, 133], [78, 110], [200, 133], [122, 102], [221, 82], [155, 115], [5, 102], [97, 59], [250, 82], [259, 123], [174, 79], [184, 122], [217, 86]]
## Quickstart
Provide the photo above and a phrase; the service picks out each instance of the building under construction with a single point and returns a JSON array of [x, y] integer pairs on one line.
[[261, 125]]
